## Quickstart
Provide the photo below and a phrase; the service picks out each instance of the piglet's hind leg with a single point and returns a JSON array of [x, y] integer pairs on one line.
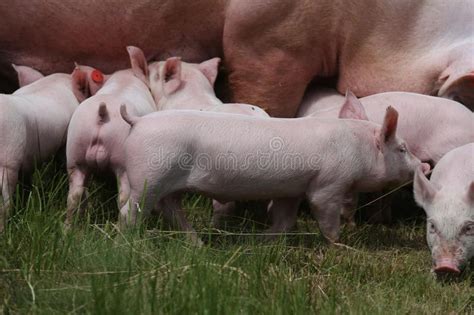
[[222, 213], [124, 189], [173, 213], [283, 213], [77, 179], [8, 181]]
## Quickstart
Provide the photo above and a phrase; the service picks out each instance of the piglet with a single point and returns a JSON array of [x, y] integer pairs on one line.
[[317, 100], [448, 200], [34, 121], [178, 85], [181, 85], [97, 132], [431, 126], [237, 157], [224, 211], [238, 108]]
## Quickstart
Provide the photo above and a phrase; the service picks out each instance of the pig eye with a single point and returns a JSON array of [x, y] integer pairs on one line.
[[402, 149], [468, 229], [431, 227]]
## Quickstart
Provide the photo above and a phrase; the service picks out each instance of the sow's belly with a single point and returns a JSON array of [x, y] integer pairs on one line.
[[50, 36]]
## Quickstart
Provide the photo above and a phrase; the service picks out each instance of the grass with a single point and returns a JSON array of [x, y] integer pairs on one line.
[[95, 268]]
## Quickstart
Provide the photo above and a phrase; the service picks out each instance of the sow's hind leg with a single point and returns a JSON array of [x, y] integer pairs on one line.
[[261, 82]]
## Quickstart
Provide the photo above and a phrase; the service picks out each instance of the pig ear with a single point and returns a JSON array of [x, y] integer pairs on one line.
[[210, 68], [352, 108], [27, 75], [96, 81], [389, 126], [456, 82], [460, 89], [138, 63], [80, 84], [95, 78], [424, 190], [470, 193], [171, 75]]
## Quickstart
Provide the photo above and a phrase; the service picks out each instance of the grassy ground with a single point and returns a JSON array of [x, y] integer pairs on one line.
[[97, 269]]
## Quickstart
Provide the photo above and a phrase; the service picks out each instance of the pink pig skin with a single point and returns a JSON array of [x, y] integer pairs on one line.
[[177, 85], [97, 132], [317, 100], [237, 108], [33, 124], [341, 157], [448, 200], [272, 49], [431, 126]]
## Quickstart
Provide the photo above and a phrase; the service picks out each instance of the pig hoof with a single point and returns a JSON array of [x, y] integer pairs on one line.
[[268, 238], [67, 227], [197, 242], [351, 225], [332, 241], [272, 236]]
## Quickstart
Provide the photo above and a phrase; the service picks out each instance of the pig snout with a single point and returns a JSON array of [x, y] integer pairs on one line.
[[447, 259], [446, 266], [425, 167], [417, 163], [412, 164]]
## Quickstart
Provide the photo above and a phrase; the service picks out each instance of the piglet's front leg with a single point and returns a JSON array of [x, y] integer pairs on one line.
[[326, 204]]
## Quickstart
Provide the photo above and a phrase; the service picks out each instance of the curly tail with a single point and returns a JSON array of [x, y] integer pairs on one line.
[[130, 119]]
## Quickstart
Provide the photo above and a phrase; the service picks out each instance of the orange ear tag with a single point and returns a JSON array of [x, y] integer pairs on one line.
[[97, 76]]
